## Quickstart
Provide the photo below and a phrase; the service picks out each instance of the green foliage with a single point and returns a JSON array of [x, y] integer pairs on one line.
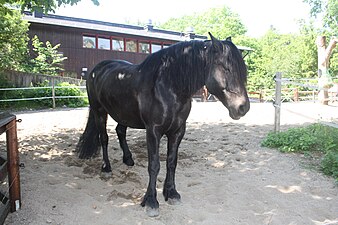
[[334, 62], [43, 90], [70, 90], [221, 22], [329, 9], [315, 138], [329, 164], [40, 5], [14, 54], [293, 54], [13, 40], [47, 59]]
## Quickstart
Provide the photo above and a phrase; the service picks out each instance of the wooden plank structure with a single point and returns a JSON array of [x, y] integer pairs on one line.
[[87, 42], [10, 167]]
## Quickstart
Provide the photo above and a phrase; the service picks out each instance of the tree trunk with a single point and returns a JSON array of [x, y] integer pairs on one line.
[[324, 79]]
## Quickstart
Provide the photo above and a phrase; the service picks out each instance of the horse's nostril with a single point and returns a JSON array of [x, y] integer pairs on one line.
[[242, 109]]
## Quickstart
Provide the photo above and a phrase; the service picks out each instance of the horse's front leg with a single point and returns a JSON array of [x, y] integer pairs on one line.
[[169, 190], [150, 200], [121, 134]]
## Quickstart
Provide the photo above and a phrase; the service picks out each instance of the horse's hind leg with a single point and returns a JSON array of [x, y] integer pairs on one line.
[[121, 134], [101, 123]]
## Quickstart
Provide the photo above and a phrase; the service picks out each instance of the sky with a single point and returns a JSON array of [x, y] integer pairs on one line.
[[257, 15]]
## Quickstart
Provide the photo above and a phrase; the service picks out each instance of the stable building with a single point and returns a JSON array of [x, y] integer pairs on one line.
[[87, 42]]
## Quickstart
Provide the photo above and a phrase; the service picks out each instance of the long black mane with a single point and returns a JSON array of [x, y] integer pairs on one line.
[[183, 65]]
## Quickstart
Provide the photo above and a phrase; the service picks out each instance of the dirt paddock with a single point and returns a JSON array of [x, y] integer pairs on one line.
[[224, 176]]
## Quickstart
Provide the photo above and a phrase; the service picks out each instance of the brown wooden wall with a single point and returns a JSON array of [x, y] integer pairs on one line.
[[71, 47]]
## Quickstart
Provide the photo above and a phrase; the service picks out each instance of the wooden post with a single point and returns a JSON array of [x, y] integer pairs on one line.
[[295, 95], [277, 103], [13, 166], [314, 96]]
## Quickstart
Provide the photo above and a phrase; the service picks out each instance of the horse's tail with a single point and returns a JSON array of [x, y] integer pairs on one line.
[[89, 143]]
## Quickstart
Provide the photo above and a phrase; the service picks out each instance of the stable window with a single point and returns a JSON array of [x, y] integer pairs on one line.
[[144, 47], [89, 41], [155, 47], [131, 46], [117, 44], [103, 43]]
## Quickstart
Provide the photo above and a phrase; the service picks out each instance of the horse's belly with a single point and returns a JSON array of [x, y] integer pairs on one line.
[[127, 114], [131, 121]]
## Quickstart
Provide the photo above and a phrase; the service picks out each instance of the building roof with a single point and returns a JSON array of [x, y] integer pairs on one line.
[[143, 31], [147, 31]]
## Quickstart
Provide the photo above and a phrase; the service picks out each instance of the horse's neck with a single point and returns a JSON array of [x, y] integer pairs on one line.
[[192, 69]]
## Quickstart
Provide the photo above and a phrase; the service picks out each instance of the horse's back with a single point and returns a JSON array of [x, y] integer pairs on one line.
[[113, 86]]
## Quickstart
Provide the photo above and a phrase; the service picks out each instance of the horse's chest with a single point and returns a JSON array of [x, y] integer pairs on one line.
[[165, 113]]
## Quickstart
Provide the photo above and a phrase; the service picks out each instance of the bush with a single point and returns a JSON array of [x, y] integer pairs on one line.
[[309, 140], [70, 91], [43, 91]]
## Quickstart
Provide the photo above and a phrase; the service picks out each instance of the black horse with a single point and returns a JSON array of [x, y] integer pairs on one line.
[[156, 95]]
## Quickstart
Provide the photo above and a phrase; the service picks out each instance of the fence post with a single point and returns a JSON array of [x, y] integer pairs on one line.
[[53, 92], [314, 96], [295, 95], [278, 97], [13, 165]]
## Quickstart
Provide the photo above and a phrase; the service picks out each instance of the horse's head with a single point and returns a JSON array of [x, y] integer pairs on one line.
[[227, 76]]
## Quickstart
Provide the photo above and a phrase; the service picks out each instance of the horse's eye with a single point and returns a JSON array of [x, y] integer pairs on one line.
[[227, 89], [226, 69]]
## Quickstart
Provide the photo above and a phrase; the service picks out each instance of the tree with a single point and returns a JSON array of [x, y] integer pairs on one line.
[[324, 78], [47, 60], [221, 22], [329, 9], [292, 54], [13, 30], [13, 41], [38, 5]]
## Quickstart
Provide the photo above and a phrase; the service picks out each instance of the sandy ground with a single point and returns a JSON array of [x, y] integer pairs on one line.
[[224, 176]]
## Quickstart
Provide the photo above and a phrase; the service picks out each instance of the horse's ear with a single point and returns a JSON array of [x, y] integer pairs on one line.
[[216, 44], [228, 39]]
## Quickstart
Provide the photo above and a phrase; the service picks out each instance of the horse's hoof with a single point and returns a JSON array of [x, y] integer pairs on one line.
[[152, 212], [171, 196], [129, 162], [106, 168], [174, 201]]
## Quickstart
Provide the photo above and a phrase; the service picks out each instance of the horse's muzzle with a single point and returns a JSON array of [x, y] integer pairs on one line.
[[238, 107], [239, 111]]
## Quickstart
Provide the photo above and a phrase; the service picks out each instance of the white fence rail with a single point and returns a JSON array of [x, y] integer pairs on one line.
[[278, 99], [53, 94]]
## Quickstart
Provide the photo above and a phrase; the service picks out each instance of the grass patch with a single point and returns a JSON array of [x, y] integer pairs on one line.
[[316, 140]]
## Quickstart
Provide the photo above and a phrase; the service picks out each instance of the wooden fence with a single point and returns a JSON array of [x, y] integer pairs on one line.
[[21, 79], [279, 98]]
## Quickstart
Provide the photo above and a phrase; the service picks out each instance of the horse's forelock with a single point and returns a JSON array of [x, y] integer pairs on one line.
[[234, 61]]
